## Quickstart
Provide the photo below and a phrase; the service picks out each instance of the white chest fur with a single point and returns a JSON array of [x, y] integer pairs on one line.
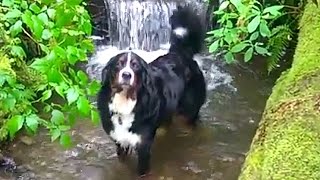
[[122, 119]]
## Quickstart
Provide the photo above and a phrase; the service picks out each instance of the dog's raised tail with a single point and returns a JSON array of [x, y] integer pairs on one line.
[[187, 30]]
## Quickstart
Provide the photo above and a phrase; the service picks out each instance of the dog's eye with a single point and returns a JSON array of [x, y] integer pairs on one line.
[[122, 63], [134, 64]]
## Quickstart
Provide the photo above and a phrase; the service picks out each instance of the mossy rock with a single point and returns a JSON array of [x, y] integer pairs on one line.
[[287, 142]]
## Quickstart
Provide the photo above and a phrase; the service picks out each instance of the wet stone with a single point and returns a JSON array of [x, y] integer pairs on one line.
[[193, 167], [26, 140]]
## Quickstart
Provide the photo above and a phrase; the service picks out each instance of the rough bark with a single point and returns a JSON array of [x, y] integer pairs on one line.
[[287, 142]]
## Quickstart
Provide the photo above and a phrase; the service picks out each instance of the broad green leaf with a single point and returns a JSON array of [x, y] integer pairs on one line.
[[46, 95], [87, 44], [252, 26], [72, 95], [272, 9], [54, 75], [224, 5], [32, 122], [73, 2], [239, 47], [83, 105], [16, 28], [254, 36], [248, 54], [82, 77], [35, 8], [37, 26], [261, 50], [214, 46], [24, 4], [95, 117], [7, 3], [87, 27], [59, 89], [46, 34], [60, 52], [18, 52], [26, 18], [9, 102], [93, 88], [57, 117], [51, 13], [55, 133], [41, 65], [64, 128], [14, 124], [44, 18], [264, 29], [65, 140], [13, 14], [229, 57]]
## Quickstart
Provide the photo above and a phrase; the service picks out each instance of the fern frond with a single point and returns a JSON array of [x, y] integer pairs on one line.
[[277, 45]]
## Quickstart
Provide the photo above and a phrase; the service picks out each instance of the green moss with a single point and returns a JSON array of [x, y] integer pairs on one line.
[[287, 142]]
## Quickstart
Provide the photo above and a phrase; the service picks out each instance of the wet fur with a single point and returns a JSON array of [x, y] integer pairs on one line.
[[171, 84]]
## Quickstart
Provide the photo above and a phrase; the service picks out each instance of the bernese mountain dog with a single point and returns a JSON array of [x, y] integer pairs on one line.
[[136, 97]]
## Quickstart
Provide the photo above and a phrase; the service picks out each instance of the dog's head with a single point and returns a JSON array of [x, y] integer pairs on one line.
[[125, 71]]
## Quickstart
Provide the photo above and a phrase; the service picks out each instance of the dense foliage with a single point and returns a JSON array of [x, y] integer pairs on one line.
[[252, 27], [41, 44]]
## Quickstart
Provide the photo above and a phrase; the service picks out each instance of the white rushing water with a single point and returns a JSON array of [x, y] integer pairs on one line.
[[144, 26]]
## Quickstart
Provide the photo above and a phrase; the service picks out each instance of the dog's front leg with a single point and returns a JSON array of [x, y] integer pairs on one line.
[[144, 154]]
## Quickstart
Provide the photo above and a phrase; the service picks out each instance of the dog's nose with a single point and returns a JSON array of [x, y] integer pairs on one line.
[[126, 75]]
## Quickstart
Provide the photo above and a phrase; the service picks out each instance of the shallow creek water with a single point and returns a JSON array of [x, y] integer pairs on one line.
[[214, 151]]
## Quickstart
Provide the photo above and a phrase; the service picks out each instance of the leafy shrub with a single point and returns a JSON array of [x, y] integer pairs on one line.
[[247, 27], [42, 42]]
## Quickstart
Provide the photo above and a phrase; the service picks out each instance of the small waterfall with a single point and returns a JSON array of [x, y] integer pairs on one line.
[[141, 24], [144, 26]]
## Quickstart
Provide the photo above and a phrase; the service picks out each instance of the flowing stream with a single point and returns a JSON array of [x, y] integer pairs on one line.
[[214, 151]]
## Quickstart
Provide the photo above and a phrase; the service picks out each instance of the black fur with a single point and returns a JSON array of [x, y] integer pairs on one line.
[[171, 84]]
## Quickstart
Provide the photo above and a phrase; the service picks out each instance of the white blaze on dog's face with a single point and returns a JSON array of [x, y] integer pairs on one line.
[[126, 74]]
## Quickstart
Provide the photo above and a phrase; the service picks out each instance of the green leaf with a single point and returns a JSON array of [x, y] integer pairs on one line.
[[229, 57], [65, 140], [16, 28], [248, 54], [83, 105], [239, 47], [8, 3], [14, 124], [224, 5], [41, 65], [64, 128], [73, 2], [46, 34], [261, 50], [51, 13], [9, 102], [32, 122], [46, 95], [18, 52], [82, 77], [273, 9], [15, 13], [54, 75], [59, 89], [35, 8], [72, 54], [72, 95], [254, 36], [24, 4], [214, 46], [57, 117], [264, 29], [37, 27], [93, 88], [252, 26], [26, 18], [95, 117], [44, 18], [55, 133]]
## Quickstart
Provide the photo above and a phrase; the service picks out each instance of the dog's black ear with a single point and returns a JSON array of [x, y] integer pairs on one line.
[[108, 71]]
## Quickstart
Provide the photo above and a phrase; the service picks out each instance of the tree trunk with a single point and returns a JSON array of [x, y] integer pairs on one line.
[[287, 142]]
